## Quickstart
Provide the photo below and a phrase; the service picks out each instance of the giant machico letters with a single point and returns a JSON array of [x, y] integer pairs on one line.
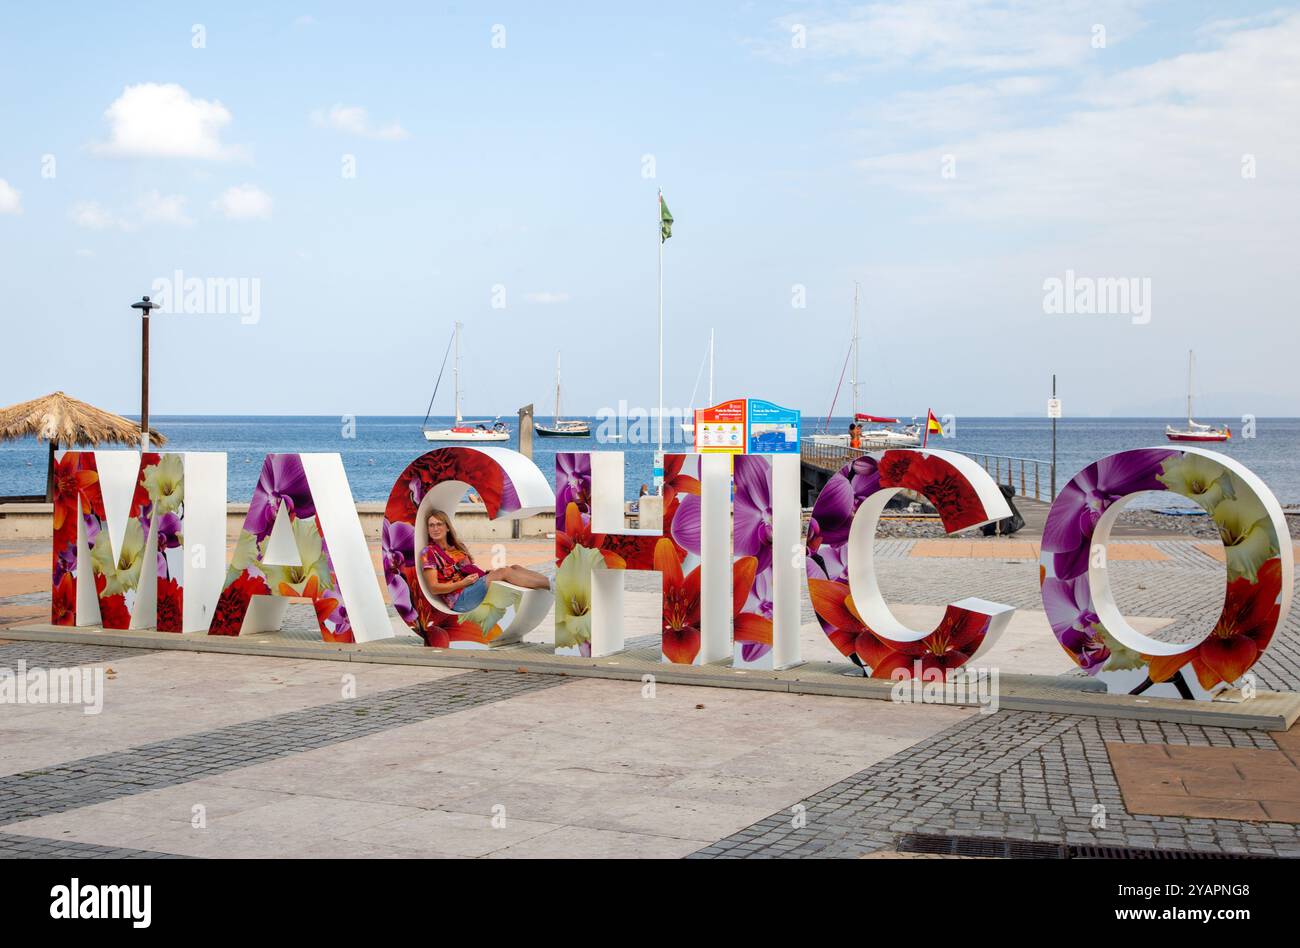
[[139, 543]]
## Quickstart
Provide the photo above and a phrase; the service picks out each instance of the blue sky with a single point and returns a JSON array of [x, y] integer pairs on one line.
[[522, 167]]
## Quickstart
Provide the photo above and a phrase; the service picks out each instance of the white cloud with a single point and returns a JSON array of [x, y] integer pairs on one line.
[[963, 107], [1215, 28], [980, 36], [92, 215], [10, 199], [304, 21], [153, 207], [1160, 146], [244, 202], [355, 120], [152, 120], [547, 296], [158, 208]]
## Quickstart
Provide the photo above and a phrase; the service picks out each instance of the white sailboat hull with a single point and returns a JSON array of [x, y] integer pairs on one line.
[[876, 437], [888, 436], [451, 434]]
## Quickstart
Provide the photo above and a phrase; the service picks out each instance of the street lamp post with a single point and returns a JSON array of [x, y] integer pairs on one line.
[[144, 306]]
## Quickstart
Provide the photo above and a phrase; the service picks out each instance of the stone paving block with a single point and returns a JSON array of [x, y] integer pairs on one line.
[[1030, 749], [1211, 782], [1283, 811], [165, 763], [1184, 805], [13, 846]]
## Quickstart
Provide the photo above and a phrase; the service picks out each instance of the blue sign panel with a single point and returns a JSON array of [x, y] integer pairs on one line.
[[772, 429]]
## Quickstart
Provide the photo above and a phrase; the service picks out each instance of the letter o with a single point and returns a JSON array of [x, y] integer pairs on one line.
[[1076, 585]]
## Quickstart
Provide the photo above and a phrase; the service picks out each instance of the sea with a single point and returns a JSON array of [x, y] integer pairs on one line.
[[376, 449]]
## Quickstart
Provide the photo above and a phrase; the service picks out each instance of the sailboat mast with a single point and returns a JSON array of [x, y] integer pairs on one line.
[[456, 373], [854, 382], [557, 389], [659, 231], [1189, 386], [710, 366]]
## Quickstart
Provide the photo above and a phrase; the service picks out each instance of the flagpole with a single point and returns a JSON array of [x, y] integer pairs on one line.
[[925, 439], [659, 232]]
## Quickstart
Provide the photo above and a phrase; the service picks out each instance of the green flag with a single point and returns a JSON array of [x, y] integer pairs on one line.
[[665, 220]]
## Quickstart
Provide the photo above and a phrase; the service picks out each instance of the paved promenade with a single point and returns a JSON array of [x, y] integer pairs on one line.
[[199, 754]]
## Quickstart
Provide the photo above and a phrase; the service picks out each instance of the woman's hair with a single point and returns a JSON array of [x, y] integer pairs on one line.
[[452, 539]]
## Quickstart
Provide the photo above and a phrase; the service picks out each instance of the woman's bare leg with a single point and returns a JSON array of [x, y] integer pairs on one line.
[[518, 576], [527, 578]]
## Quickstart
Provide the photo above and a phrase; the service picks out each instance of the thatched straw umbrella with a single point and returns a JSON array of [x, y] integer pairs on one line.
[[66, 422]]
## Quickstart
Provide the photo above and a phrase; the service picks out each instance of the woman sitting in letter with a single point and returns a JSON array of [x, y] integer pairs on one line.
[[452, 574]]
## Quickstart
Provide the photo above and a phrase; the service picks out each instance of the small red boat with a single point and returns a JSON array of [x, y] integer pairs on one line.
[[1198, 433]]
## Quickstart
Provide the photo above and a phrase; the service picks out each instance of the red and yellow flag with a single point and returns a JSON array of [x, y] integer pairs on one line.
[[932, 425]]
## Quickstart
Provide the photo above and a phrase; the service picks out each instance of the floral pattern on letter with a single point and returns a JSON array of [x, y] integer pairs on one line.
[[960, 633], [1252, 604], [157, 500], [675, 553], [401, 563], [282, 485]]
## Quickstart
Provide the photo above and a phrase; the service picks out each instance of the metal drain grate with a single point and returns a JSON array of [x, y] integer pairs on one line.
[[988, 847], [1130, 852]]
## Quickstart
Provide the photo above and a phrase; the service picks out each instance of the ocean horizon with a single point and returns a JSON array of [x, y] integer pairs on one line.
[[376, 448]]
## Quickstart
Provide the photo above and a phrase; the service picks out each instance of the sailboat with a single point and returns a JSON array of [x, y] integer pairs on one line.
[[1195, 431], [909, 435], [559, 428], [462, 430], [689, 426]]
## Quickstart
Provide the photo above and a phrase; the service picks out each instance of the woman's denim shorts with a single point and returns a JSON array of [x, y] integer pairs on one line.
[[471, 597]]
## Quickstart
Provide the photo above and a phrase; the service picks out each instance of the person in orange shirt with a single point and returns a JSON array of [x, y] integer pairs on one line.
[[855, 436], [451, 572]]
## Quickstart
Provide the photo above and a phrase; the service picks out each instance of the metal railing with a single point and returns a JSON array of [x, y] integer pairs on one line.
[[1034, 475], [830, 457], [1029, 477]]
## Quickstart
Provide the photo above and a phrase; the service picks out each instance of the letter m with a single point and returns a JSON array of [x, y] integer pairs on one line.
[[122, 525]]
